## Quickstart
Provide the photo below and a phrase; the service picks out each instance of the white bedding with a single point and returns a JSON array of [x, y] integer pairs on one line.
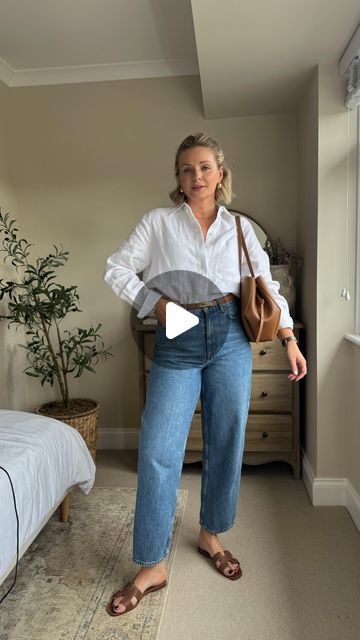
[[45, 458]]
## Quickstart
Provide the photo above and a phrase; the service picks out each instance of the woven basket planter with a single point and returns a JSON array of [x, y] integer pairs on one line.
[[82, 414]]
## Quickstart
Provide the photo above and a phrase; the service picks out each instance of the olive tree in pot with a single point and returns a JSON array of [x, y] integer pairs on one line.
[[39, 304]]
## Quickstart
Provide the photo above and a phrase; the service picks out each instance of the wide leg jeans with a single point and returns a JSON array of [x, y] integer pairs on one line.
[[213, 360]]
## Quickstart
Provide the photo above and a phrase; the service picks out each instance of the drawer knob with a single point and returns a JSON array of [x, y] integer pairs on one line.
[[264, 394], [265, 434], [263, 352]]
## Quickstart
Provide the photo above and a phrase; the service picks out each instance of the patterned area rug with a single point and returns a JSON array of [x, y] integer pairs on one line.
[[70, 571]]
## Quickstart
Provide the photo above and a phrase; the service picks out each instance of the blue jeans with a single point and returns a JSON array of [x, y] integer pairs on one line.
[[213, 359]]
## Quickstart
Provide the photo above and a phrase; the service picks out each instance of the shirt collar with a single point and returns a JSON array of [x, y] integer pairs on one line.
[[222, 210]]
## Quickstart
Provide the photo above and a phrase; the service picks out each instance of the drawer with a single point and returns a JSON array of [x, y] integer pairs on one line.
[[270, 392], [194, 441], [269, 355], [268, 433], [265, 355]]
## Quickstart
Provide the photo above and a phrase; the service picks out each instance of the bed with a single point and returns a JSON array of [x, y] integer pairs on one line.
[[45, 458]]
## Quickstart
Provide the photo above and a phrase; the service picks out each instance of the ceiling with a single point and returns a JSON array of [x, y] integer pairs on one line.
[[252, 57]]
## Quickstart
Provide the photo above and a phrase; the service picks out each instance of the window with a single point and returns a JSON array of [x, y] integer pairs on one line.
[[355, 336], [357, 254]]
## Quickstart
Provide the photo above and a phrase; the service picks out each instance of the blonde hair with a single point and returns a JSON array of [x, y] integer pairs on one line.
[[224, 194]]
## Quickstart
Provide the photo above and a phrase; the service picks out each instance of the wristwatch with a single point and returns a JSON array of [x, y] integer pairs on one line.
[[288, 339]]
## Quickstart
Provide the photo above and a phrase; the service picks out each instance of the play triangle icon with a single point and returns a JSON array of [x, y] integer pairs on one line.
[[178, 320]]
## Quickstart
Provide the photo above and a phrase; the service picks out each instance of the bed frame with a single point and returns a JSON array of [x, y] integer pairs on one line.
[[64, 505], [65, 508]]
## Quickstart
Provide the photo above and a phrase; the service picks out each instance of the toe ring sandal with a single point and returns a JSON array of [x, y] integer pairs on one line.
[[221, 561], [129, 591]]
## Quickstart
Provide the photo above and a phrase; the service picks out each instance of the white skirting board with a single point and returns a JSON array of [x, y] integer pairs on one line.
[[113, 438], [333, 492]]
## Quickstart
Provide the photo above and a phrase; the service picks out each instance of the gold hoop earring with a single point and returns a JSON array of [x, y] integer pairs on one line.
[[219, 186]]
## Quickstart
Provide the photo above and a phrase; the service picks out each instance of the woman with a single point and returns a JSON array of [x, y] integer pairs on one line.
[[197, 236]]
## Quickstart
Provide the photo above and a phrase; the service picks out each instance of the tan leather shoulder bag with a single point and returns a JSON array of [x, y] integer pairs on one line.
[[259, 312]]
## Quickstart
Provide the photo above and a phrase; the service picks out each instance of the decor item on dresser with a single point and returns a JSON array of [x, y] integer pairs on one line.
[[283, 261], [39, 304], [259, 311]]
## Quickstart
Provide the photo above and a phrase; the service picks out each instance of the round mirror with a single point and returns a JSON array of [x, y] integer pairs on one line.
[[258, 228]]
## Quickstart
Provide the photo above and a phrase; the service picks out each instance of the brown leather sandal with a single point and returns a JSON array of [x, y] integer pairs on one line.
[[221, 561], [129, 591]]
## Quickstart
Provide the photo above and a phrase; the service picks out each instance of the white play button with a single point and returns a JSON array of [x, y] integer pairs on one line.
[[178, 320]]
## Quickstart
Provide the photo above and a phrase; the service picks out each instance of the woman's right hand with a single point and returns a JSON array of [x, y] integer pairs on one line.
[[160, 310]]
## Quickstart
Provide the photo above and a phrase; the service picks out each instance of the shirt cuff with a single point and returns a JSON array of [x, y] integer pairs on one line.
[[286, 320], [148, 302]]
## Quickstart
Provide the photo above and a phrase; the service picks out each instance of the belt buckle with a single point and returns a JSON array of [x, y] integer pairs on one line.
[[206, 304]]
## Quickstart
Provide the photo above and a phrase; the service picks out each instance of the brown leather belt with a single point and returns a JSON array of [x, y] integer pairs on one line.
[[210, 303]]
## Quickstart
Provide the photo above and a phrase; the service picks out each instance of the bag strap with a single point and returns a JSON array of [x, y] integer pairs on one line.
[[242, 244]]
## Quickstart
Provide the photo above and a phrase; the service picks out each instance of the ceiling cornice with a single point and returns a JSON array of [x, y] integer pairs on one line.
[[97, 72]]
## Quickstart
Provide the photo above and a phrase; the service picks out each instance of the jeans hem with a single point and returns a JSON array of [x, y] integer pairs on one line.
[[215, 532], [149, 564]]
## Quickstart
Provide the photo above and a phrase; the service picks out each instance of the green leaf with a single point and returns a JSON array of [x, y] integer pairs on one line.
[[89, 368]]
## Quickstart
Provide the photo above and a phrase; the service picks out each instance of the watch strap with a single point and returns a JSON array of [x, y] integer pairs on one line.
[[288, 339]]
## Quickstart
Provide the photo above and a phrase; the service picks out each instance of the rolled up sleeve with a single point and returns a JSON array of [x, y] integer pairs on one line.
[[261, 265], [122, 267]]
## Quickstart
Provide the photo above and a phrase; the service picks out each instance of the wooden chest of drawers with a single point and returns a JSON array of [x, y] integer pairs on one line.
[[272, 430]]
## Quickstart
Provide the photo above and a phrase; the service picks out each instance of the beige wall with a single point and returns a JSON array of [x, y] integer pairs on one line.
[[88, 160], [5, 202], [307, 239], [331, 439], [80, 164], [12, 358], [338, 389]]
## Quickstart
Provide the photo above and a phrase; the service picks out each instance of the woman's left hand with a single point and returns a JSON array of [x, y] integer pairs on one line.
[[297, 361]]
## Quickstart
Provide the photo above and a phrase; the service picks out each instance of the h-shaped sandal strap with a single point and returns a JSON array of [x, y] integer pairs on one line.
[[224, 559], [129, 591]]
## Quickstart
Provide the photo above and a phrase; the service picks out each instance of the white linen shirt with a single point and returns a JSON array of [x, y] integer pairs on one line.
[[168, 239]]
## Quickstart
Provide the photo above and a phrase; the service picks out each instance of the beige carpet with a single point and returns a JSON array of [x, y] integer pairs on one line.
[[70, 571]]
